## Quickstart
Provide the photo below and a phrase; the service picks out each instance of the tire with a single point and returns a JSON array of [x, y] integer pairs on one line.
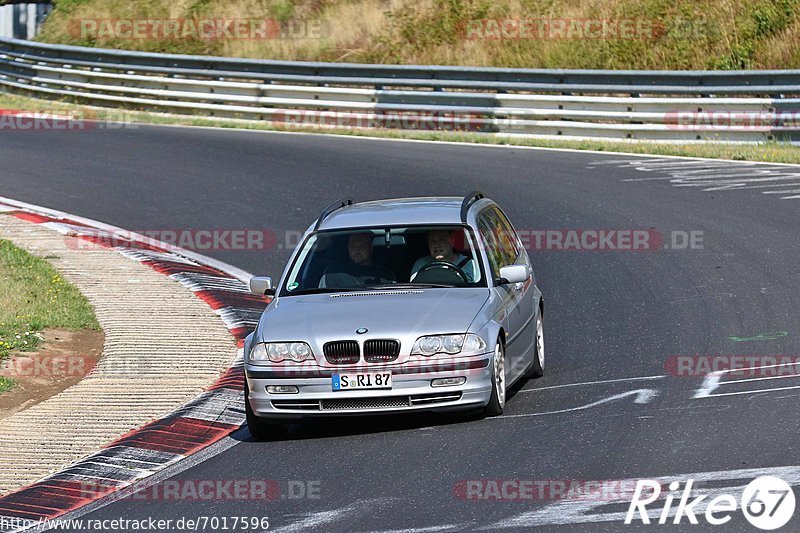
[[537, 366], [497, 401], [260, 429]]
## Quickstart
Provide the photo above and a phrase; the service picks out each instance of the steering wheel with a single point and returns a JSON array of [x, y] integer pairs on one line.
[[446, 265]]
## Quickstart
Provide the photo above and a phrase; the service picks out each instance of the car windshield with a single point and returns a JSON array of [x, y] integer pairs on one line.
[[386, 258]]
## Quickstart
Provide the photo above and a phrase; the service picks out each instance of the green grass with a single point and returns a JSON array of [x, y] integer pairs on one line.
[[35, 297], [679, 34], [6, 384], [773, 152]]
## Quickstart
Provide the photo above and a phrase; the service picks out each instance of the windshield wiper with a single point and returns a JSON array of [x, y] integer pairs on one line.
[[410, 286], [321, 290]]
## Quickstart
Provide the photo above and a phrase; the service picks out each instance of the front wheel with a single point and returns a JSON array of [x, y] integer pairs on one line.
[[497, 400], [260, 429]]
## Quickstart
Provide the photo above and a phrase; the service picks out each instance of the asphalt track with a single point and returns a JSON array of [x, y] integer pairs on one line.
[[610, 316]]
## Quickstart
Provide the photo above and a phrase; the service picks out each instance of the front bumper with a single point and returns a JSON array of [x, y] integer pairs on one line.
[[411, 390]]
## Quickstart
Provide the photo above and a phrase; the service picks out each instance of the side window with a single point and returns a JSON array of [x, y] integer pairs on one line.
[[514, 245], [488, 243], [498, 239]]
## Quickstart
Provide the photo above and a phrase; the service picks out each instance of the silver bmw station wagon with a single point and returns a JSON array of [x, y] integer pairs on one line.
[[412, 304]]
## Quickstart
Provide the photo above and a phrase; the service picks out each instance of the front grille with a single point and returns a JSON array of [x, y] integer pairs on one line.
[[365, 403], [381, 350], [422, 399], [341, 352], [390, 402], [306, 405]]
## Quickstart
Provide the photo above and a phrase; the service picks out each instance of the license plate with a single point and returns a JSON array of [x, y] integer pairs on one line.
[[378, 380]]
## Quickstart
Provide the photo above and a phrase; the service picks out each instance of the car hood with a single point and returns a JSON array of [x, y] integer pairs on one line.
[[318, 318]]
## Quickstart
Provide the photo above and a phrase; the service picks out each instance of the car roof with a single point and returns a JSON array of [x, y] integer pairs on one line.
[[396, 212]]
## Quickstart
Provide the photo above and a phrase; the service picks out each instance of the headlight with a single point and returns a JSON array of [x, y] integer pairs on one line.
[[470, 344], [474, 344], [277, 352]]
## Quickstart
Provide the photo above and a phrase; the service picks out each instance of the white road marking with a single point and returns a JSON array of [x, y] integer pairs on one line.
[[750, 391], [724, 172], [642, 396], [706, 170], [715, 176], [713, 381], [432, 529], [776, 365], [773, 185], [323, 518], [783, 192], [717, 296], [566, 512], [652, 165], [760, 379], [741, 185], [317, 519], [701, 181], [585, 383]]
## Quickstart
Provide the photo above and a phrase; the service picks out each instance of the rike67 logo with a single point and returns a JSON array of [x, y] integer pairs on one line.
[[767, 503]]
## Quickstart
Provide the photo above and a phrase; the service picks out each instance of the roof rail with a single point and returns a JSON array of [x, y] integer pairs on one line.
[[469, 199], [338, 204]]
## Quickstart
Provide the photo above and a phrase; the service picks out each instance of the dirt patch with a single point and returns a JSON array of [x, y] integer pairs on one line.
[[63, 359]]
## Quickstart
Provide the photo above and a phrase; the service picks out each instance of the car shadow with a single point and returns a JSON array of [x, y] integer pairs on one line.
[[345, 426]]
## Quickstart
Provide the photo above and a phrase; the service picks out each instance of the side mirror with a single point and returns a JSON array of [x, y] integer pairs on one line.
[[261, 285], [513, 274]]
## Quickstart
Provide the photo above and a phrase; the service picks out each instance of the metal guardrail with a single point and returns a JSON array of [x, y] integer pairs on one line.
[[680, 106]]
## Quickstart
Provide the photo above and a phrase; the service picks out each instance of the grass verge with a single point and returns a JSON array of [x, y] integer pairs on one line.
[[773, 152], [614, 34], [35, 297]]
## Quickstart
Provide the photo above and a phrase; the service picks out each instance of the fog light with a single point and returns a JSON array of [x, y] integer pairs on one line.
[[282, 389], [448, 382]]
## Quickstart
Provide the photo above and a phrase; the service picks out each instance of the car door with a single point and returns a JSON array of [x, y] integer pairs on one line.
[[524, 312], [504, 248]]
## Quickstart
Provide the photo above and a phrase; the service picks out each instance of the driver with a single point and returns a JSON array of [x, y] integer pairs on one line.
[[359, 270], [440, 245]]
